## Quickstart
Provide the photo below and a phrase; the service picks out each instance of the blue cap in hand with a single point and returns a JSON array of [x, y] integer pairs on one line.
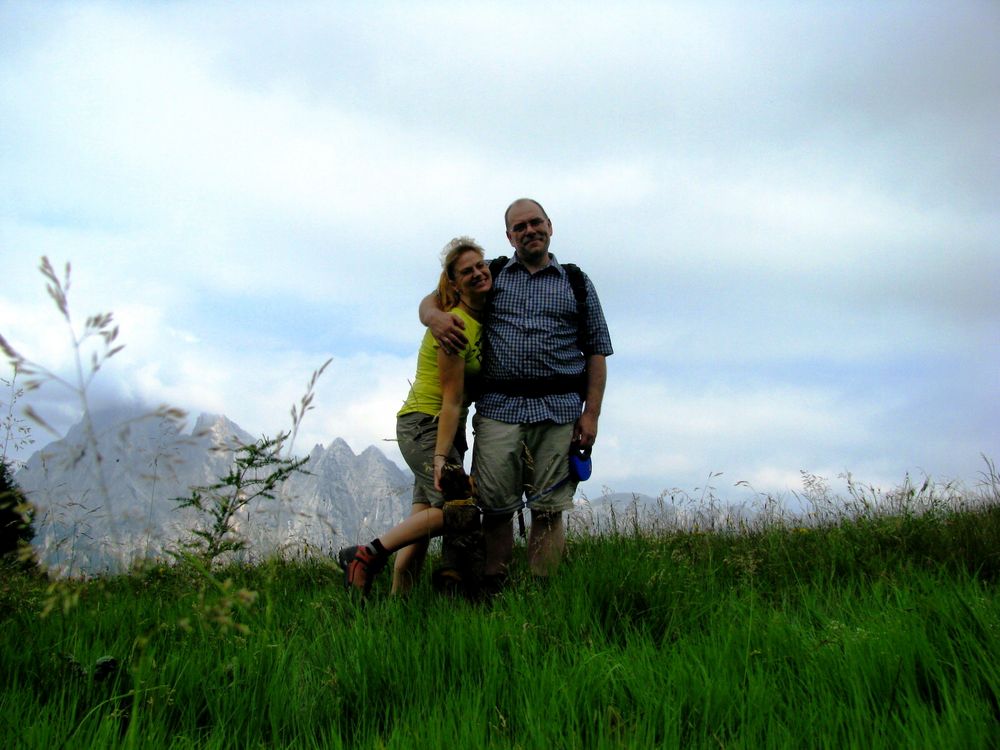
[[580, 464]]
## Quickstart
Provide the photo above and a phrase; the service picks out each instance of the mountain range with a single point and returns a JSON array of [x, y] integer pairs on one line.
[[107, 500]]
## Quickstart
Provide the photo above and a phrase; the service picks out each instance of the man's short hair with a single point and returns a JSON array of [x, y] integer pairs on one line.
[[506, 213]]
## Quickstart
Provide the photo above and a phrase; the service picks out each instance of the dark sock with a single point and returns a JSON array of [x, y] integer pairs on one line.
[[376, 546]]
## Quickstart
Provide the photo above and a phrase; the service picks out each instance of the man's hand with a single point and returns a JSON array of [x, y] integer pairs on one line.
[[448, 329], [585, 430]]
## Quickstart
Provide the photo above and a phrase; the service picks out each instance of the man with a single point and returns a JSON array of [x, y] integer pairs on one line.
[[544, 378]]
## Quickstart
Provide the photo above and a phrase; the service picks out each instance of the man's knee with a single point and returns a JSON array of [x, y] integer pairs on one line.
[[546, 519]]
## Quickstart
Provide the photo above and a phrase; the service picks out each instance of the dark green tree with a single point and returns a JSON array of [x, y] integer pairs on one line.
[[15, 514]]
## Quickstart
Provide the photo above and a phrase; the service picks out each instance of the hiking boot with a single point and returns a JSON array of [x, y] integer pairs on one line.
[[360, 565]]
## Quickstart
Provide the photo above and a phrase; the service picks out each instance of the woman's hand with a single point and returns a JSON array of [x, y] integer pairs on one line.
[[439, 462]]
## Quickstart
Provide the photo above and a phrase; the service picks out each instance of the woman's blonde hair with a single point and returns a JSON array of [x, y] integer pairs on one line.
[[449, 256]]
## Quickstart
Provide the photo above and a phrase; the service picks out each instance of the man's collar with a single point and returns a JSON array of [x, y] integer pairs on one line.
[[553, 263]]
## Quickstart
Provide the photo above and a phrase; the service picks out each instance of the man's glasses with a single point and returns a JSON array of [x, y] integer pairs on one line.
[[522, 225]]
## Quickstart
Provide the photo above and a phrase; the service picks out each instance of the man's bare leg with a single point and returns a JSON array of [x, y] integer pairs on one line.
[[499, 535], [546, 542]]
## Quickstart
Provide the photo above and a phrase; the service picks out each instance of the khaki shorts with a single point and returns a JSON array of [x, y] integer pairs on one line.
[[511, 460], [416, 434]]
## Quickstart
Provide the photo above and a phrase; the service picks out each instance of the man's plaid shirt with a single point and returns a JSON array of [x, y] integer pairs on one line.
[[532, 333]]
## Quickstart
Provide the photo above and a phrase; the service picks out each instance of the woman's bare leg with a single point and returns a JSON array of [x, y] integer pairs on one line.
[[411, 537]]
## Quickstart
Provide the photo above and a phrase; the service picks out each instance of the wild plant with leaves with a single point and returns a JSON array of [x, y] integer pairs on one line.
[[16, 431], [97, 327], [259, 472]]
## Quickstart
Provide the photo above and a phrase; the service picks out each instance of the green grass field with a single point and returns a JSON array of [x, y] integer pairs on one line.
[[879, 630]]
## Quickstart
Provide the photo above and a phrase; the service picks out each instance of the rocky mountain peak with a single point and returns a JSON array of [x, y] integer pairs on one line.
[[96, 515]]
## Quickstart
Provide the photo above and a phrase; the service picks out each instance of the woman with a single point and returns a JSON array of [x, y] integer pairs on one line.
[[430, 427]]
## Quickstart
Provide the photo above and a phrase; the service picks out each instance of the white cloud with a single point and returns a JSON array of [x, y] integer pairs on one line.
[[789, 212]]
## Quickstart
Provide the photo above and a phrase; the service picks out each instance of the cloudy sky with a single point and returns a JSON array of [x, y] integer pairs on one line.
[[791, 212]]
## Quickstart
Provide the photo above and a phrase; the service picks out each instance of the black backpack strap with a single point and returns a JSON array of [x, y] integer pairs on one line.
[[578, 281], [497, 264]]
